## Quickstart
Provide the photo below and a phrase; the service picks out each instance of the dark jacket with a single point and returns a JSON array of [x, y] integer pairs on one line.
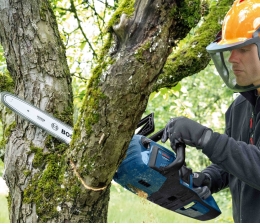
[[236, 157]]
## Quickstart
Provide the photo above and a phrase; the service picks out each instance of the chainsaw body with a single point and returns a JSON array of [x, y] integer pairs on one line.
[[159, 175]]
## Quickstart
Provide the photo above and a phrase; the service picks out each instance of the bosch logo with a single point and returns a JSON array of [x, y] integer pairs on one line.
[[65, 133], [55, 127]]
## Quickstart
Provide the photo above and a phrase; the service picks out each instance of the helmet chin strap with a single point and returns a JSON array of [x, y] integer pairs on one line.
[[257, 43], [258, 49]]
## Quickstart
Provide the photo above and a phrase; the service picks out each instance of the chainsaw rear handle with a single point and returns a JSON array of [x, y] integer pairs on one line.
[[159, 152], [157, 136], [180, 153], [178, 162]]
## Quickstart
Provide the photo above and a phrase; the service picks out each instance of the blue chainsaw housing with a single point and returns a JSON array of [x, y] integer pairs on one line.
[[142, 172]]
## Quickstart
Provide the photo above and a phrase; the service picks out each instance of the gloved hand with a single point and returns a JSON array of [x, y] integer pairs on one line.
[[202, 183], [201, 179], [203, 192], [182, 129]]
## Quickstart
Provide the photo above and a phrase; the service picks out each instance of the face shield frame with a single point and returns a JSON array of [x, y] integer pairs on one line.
[[219, 57]]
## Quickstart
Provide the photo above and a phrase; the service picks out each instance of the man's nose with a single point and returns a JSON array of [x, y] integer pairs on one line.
[[233, 56]]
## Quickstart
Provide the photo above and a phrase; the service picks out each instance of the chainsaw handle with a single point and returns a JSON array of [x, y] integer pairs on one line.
[[179, 161], [157, 136]]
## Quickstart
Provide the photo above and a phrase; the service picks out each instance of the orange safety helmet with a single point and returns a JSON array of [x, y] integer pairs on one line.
[[241, 27], [241, 21]]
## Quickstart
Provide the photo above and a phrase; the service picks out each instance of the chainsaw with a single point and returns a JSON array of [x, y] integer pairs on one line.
[[149, 169]]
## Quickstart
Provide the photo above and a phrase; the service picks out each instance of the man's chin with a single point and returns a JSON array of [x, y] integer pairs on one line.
[[242, 83]]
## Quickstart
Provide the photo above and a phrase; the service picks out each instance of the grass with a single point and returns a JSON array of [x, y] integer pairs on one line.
[[1, 168], [3, 210], [3, 201], [126, 207]]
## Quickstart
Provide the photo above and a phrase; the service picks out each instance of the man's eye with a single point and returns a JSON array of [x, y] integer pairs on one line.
[[243, 50]]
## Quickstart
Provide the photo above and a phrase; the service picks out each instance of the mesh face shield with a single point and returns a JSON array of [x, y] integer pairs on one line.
[[220, 55], [240, 27]]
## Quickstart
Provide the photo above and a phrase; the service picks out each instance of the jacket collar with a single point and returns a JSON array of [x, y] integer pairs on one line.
[[252, 97]]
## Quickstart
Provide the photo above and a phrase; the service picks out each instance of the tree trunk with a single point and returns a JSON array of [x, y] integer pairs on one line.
[[36, 60], [117, 95]]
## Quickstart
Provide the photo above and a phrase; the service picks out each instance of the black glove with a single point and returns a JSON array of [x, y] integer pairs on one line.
[[201, 179], [182, 129], [202, 183], [203, 192]]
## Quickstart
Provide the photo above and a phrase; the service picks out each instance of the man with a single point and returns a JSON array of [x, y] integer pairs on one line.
[[236, 154]]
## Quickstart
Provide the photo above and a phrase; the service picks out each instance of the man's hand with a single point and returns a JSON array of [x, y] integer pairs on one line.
[[203, 192], [182, 129], [201, 179], [202, 184]]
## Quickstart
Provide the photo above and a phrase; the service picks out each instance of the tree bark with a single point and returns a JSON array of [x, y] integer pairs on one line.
[[35, 58]]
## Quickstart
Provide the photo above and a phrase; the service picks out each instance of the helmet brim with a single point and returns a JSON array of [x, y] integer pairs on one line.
[[217, 47]]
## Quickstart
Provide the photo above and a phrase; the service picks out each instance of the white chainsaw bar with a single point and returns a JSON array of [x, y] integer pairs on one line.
[[41, 119]]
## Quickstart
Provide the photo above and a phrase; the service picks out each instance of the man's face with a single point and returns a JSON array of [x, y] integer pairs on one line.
[[246, 65]]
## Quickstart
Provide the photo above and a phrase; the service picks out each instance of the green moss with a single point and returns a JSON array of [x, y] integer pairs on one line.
[[66, 116], [43, 10], [125, 7], [8, 129], [89, 110], [27, 173], [39, 157], [46, 183], [6, 82], [92, 106], [190, 10], [4, 140], [73, 191], [139, 53]]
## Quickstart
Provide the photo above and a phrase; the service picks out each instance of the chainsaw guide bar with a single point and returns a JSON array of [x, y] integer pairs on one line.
[[53, 126]]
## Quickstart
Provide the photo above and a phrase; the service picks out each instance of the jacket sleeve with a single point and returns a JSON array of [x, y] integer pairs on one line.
[[219, 178], [235, 157]]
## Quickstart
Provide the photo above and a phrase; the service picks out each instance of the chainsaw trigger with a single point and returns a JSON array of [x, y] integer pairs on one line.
[[146, 142]]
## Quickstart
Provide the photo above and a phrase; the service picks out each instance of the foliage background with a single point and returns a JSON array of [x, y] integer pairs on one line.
[[201, 97]]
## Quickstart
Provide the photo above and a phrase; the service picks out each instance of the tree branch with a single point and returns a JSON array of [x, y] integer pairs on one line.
[[194, 57], [73, 9]]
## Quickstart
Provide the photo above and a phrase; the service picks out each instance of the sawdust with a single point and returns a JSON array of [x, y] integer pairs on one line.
[[139, 192]]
